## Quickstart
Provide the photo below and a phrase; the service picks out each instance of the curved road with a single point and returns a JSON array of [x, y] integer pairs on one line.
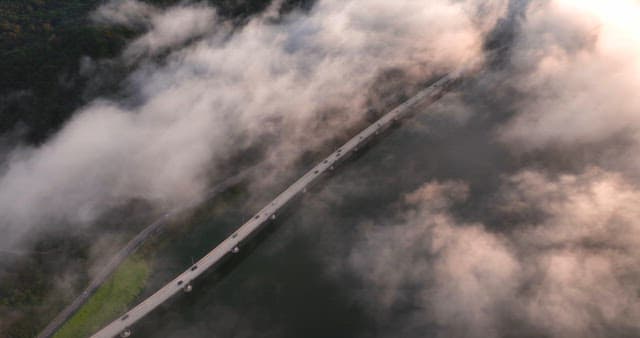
[[119, 257], [233, 243]]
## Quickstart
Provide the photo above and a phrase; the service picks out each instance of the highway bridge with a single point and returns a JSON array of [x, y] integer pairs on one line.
[[233, 244]]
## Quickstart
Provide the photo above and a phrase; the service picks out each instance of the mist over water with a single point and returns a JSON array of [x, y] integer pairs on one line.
[[506, 209]]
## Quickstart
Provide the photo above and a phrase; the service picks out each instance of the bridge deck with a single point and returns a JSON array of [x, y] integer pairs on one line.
[[251, 227]]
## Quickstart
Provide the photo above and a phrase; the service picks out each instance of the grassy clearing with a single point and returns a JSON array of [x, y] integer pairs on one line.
[[111, 299]]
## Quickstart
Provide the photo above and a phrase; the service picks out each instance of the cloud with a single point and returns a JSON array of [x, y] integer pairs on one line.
[[201, 93], [583, 255], [553, 252], [459, 275], [578, 63], [173, 27], [128, 13], [573, 273]]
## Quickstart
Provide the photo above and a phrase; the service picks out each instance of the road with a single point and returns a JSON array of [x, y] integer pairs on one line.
[[125, 252], [233, 243]]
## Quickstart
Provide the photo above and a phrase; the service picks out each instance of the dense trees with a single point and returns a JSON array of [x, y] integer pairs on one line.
[[41, 44]]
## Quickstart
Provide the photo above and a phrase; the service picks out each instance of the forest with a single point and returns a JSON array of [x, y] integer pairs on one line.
[[42, 44]]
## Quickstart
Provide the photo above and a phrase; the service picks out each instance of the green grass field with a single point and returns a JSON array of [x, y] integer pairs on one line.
[[111, 299]]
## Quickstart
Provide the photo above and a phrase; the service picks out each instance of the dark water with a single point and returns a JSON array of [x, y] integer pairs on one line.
[[294, 282]]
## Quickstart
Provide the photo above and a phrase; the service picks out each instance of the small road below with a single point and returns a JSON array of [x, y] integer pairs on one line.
[[126, 251]]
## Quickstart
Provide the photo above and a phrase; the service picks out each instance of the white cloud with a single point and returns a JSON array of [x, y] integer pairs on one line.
[[464, 274], [573, 273], [128, 13], [172, 28], [579, 64], [296, 84]]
